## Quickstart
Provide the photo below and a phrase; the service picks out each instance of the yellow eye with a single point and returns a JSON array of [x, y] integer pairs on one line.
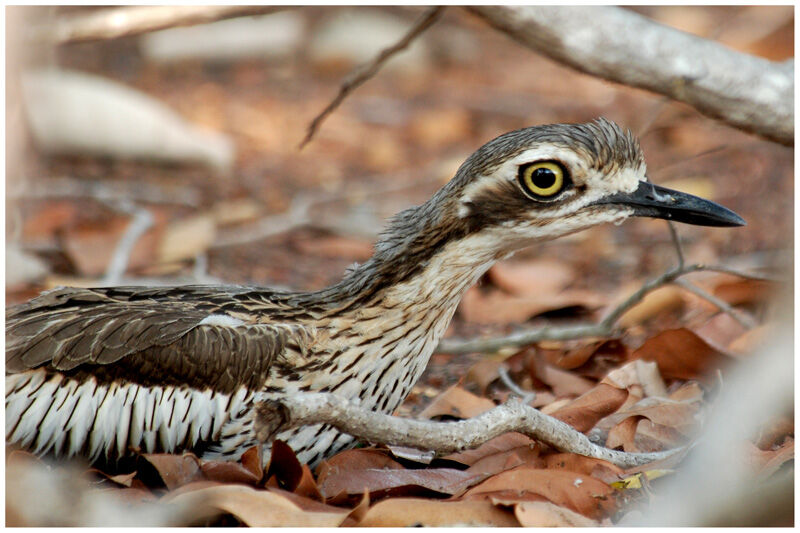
[[543, 179]]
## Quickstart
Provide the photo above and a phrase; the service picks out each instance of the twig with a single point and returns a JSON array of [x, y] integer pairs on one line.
[[676, 240], [443, 437], [142, 220], [722, 305], [526, 396], [605, 328], [748, 92], [118, 22], [368, 70]]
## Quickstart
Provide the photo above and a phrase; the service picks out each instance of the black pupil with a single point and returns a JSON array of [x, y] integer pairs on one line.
[[543, 178]]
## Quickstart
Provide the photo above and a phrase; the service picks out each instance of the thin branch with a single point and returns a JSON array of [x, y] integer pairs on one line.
[[676, 240], [605, 328], [443, 437], [112, 23], [368, 70], [722, 305], [526, 396], [747, 92], [142, 220]]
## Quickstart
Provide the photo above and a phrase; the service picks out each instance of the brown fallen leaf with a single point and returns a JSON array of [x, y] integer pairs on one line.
[[255, 508], [638, 372], [90, 248], [681, 354], [405, 512], [680, 415], [585, 411], [767, 462], [248, 471], [661, 300], [546, 514], [562, 382], [380, 482], [176, 470], [458, 403], [750, 341], [186, 238], [533, 277], [579, 463], [773, 431], [624, 435], [498, 445], [284, 470], [744, 291], [578, 492], [502, 461], [495, 307], [483, 373]]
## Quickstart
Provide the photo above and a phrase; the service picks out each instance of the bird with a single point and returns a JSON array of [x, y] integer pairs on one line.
[[105, 373]]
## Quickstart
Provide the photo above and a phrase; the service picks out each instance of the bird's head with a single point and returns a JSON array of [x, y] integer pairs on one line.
[[543, 182]]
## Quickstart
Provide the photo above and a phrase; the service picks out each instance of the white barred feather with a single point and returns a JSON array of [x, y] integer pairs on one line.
[[65, 417]]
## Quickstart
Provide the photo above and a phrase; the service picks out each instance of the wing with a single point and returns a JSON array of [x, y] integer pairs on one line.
[[200, 336]]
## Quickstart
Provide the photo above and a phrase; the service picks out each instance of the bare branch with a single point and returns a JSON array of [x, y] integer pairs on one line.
[[116, 22], [368, 70], [443, 437], [142, 220], [722, 305], [747, 92], [526, 396], [606, 327]]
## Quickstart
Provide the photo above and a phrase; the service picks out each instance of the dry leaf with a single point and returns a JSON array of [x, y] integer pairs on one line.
[[579, 492], [680, 354], [398, 481], [256, 508], [187, 238], [546, 514], [661, 300], [744, 291], [495, 307], [532, 278], [497, 445], [458, 403], [405, 512], [585, 411], [176, 470]]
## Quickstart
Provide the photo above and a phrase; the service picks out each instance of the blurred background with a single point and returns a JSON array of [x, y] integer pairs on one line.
[[173, 157]]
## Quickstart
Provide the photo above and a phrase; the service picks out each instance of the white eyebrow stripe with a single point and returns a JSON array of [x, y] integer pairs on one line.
[[221, 320]]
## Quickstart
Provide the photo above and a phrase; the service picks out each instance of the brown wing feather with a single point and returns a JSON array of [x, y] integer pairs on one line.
[[146, 335]]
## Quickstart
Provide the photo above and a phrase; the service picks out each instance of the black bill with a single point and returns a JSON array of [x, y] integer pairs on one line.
[[650, 200]]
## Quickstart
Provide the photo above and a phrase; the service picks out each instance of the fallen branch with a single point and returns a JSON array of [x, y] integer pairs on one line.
[[443, 437], [618, 45], [116, 22], [605, 328], [368, 70]]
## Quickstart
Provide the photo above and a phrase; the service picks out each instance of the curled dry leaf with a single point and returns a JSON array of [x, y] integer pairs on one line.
[[495, 307], [498, 445], [586, 410], [458, 403], [661, 300], [767, 462], [681, 354], [744, 291], [532, 278], [623, 435], [546, 514], [638, 372], [176, 470], [257, 508], [562, 382], [578, 492], [405, 512], [500, 462]]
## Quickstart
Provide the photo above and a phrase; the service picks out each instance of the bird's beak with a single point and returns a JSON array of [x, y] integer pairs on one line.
[[650, 200]]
